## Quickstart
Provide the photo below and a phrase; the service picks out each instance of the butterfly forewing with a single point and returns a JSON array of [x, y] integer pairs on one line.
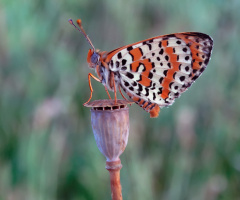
[[158, 70]]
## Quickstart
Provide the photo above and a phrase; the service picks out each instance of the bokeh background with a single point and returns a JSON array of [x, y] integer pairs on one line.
[[47, 149]]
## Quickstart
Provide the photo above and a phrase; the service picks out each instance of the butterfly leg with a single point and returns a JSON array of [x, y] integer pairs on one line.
[[112, 82], [90, 85], [122, 93], [115, 92], [107, 92]]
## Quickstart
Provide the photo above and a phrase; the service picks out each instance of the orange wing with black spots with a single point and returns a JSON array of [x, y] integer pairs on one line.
[[155, 71]]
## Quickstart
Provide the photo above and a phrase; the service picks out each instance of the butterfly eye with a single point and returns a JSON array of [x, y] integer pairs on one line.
[[94, 58]]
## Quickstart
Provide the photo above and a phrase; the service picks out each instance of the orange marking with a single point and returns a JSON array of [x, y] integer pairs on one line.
[[145, 81], [173, 57], [175, 66], [155, 111], [136, 54], [169, 77], [169, 50], [135, 66], [165, 92], [164, 43], [148, 65], [196, 66], [196, 58], [194, 50], [166, 82], [165, 85], [141, 102], [145, 105], [134, 98]]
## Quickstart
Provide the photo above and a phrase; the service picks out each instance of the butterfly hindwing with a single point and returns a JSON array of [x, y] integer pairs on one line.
[[156, 71]]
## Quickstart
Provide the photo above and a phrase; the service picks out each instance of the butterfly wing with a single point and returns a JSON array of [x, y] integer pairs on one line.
[[155, 71]]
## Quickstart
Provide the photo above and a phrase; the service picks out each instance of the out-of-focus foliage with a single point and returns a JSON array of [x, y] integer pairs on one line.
[[47, 149]]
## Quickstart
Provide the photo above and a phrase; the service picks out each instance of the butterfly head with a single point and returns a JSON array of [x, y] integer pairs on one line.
[[93, 58]]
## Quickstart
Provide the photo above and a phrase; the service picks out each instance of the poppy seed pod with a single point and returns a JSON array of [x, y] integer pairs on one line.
[[111, 129], [110, 124]]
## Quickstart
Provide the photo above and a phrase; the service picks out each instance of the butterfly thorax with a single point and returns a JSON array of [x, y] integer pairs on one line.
[[97, 60]]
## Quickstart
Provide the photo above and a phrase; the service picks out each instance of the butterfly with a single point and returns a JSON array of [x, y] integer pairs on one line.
[[152, 72]]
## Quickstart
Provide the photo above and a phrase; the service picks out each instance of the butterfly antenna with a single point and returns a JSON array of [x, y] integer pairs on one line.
[[79, 22]]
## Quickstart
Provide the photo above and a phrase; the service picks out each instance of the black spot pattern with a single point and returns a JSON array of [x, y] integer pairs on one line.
[[130, 48], [201, 70], [150, 75], [126, 83], [160, 44], [149, 46], [178, 42], [176, 94], [147, 92], [124, 61], [140, 88], [174, 75], [154, 96], [161, 52], [119, 55], [194, 78], [141, 50], [165, 72], [124, 68], [117, 64], [182, 78], [161, 80], [129, 75], [131, 88], [179, 67], [159, 91], [134, 83]]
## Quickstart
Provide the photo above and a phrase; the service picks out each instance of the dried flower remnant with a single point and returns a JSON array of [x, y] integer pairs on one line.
[[110, 124]]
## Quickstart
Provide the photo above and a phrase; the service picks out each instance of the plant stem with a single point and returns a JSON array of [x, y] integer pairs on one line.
[[114, 170]]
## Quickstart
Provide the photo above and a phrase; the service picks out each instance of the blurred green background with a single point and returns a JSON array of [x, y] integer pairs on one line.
[[47, 149]]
